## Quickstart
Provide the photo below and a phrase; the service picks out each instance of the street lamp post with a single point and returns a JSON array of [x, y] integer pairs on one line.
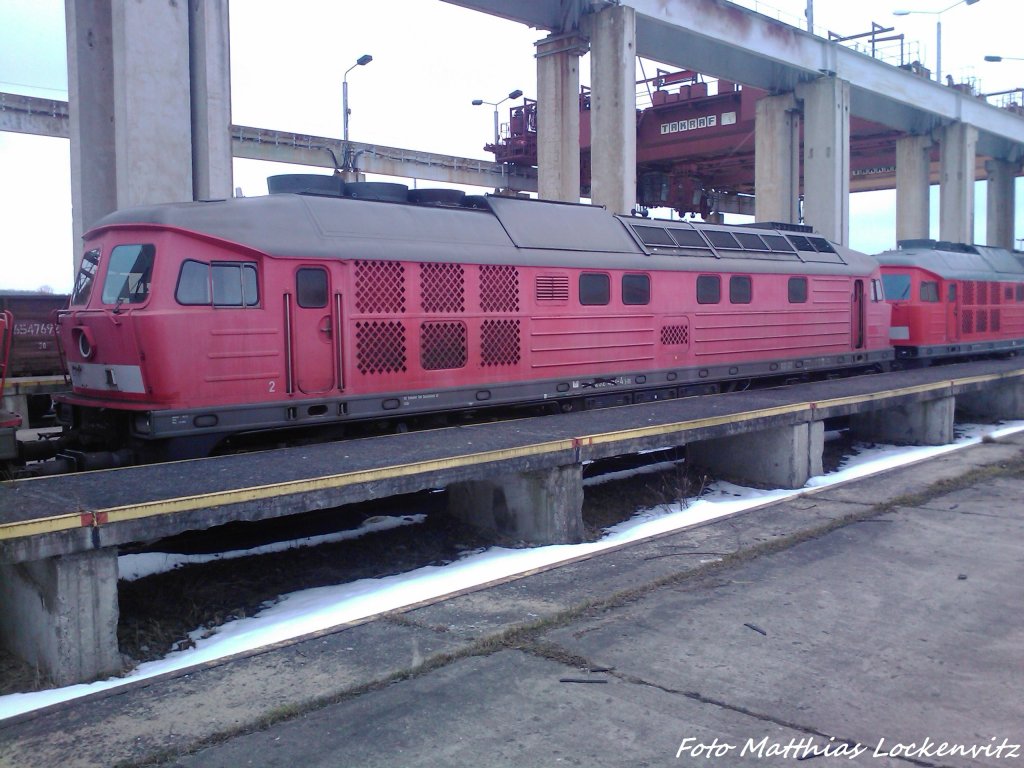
[[938, 30], [513, 95], [1003, 58], [362, 61]]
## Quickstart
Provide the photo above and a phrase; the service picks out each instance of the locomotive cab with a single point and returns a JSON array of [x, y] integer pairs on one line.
[[102, 353], [160, 321], [952, 300]]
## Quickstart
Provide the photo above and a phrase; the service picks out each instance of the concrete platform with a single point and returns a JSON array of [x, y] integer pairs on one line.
[[874, 615]]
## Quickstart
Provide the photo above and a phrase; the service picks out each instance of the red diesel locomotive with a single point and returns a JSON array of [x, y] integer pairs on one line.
[[952, 300], [190, 323]]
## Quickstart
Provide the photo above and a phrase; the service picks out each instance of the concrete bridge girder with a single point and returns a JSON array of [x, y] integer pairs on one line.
[[739, 45], [170, 110]]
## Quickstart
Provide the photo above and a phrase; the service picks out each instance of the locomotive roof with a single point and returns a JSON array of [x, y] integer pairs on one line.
[[956, 261], [508, 231]]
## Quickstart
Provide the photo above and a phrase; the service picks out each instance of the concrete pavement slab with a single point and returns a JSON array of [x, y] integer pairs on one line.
[[509, 709]]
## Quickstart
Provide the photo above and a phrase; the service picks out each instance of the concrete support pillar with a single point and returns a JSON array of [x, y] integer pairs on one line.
[[1002, 401], [956, 183], [152, 102], [925, 423], [782, 457], [60, 615], [558, 117], [210, 67], [999, 209], [827, 156], [613, 108], [913, 178], [777, 159], [91, 114], [543, 507], [141, 78]]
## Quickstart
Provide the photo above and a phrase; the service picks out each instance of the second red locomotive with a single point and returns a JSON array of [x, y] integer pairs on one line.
[[953, 300]]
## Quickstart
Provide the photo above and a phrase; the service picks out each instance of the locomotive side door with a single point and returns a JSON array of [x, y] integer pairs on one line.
[[952, 313], [313, 331], [859, 317]]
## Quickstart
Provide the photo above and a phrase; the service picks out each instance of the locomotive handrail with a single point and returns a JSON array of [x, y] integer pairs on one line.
[[338, 348], [289, 351], [5, 345], [61, 354]]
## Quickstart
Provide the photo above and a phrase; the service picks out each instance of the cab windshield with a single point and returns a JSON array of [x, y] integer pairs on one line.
[[897, 287], [129, 272], [86, 275]]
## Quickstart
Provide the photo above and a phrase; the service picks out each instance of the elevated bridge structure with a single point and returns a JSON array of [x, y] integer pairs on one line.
[[172, 137], [817, 81], [50, 117]]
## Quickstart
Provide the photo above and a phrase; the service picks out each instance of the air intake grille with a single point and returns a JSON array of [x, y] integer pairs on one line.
[[380, 347], [967, 321], [380, 287], [552, 288], [675, 335], [442, 287], [499, 288], [442, 346], [499, 342]]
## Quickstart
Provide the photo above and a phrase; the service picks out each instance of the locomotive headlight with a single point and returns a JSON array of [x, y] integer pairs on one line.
[[86, 348], [142, 423]]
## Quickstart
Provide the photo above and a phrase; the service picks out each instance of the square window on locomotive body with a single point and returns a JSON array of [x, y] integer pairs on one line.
[[798, 290], [129, 271], [595, 289], [709, 289], [636, 289], [929, 291], [311, 287], [193, 283], [740, 289], [234, 285], [219, 284]]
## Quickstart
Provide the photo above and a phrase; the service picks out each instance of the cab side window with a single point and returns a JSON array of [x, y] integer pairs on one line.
[[636, 289], [709, 289], [595, 288], [218, 284]]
